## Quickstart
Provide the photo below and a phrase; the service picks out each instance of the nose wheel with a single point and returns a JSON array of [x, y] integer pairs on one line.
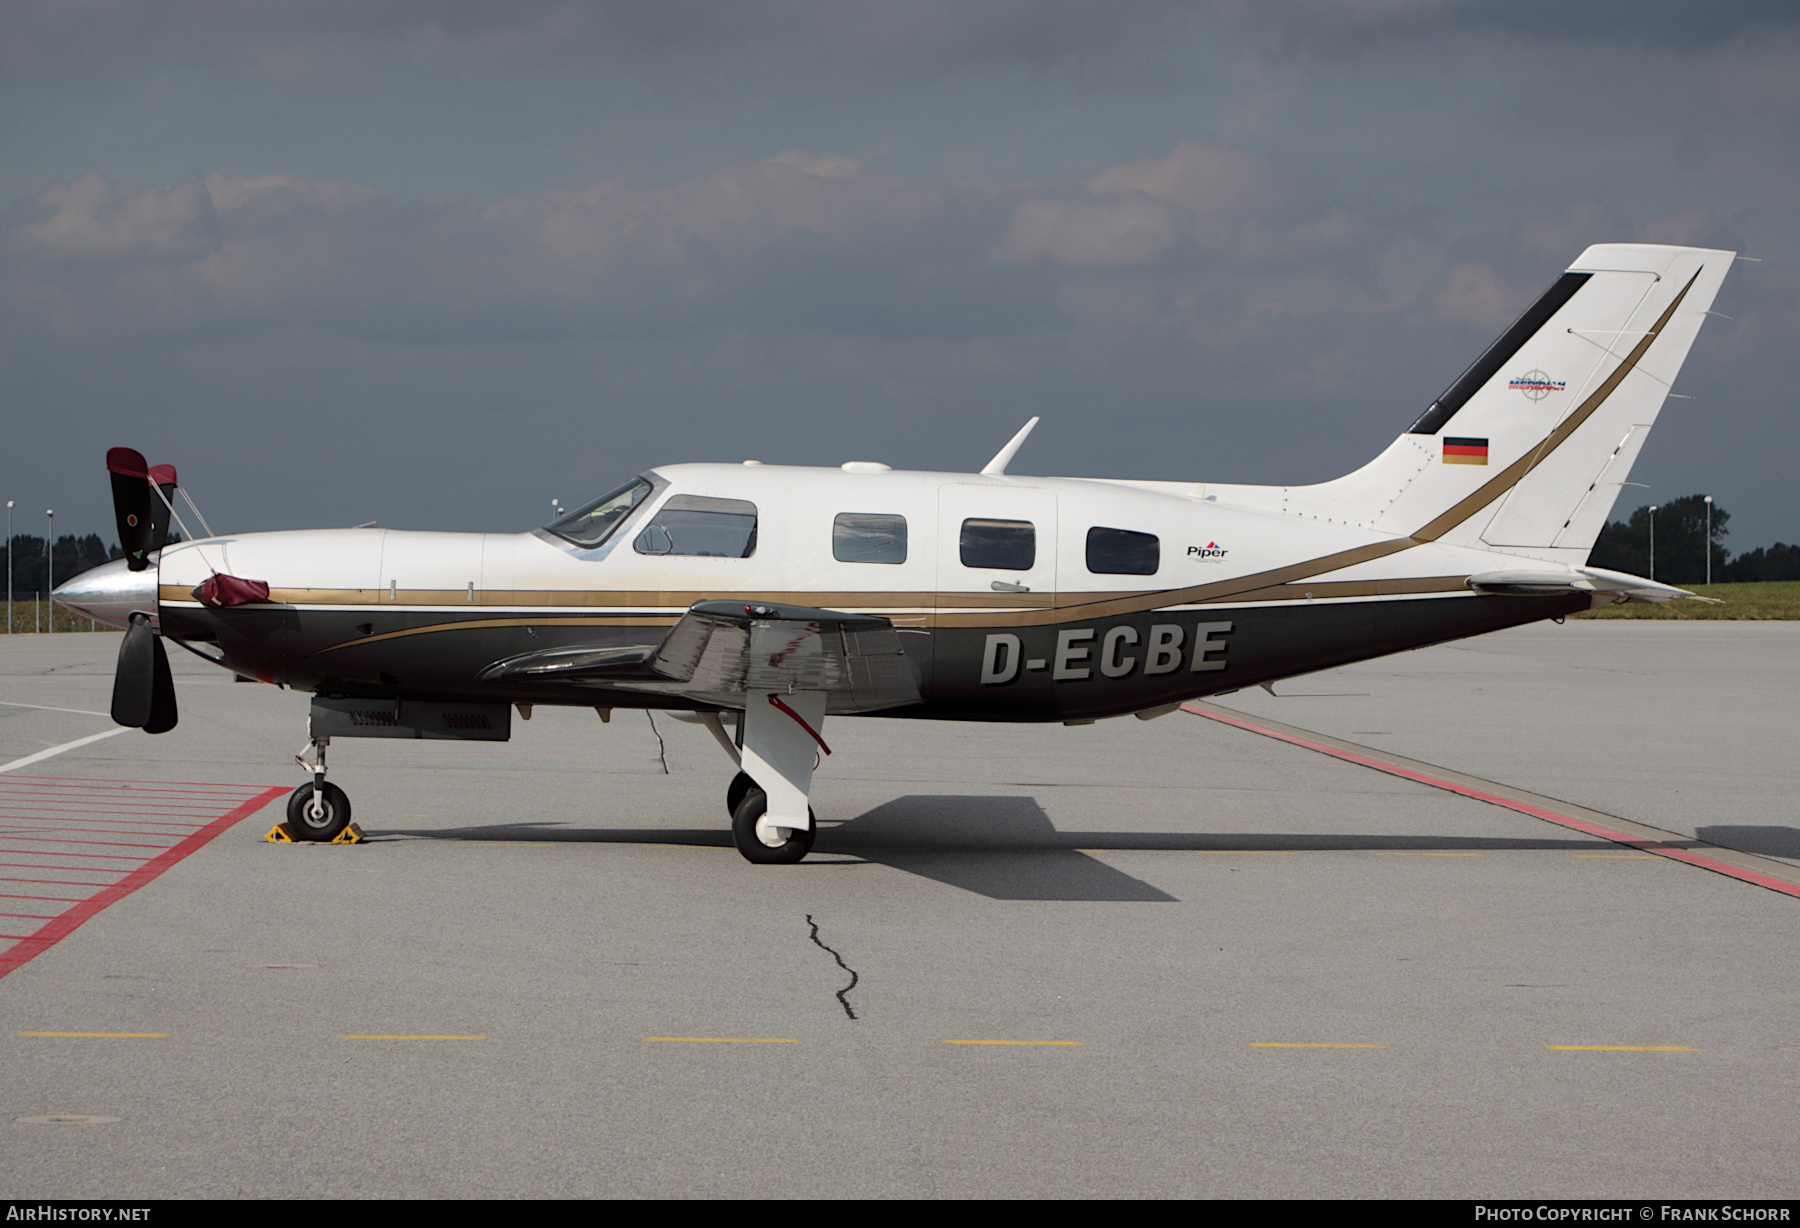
[[761, 842], [317, 812]]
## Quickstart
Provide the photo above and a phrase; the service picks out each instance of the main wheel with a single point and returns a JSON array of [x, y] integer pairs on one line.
[[734, 792], [750, 843], [332, 818]]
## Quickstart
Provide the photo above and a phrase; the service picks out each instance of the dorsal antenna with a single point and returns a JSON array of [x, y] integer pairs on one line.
[[997, 467]]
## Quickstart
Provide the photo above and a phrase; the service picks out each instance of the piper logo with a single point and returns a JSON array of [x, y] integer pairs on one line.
[[1211, 552]]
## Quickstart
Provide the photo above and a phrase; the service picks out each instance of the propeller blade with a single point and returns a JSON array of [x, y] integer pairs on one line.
[[134, 680], [162, 503], [162, 692], [132, 500]]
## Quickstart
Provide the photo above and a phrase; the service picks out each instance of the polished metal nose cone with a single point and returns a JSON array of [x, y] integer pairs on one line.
[[109, 593]]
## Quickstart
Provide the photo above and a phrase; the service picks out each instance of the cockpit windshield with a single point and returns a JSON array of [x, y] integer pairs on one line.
[[591, 525]]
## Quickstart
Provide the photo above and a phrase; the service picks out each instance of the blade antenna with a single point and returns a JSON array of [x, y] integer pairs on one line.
[[997, 467]]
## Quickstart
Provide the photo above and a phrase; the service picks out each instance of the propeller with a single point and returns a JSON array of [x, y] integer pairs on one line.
[[143, 688], [132, 505]]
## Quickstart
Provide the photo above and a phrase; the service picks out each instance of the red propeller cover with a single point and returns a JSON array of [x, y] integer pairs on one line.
[[128, 461]]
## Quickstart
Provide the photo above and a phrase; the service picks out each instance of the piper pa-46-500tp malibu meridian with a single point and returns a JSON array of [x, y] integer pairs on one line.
[[762, 599]]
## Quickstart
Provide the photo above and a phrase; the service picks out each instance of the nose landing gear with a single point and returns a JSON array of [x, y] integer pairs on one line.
[[318, 811]]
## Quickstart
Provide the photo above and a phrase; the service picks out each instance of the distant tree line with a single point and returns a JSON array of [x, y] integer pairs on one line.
[[1682, 546], [31, 569]]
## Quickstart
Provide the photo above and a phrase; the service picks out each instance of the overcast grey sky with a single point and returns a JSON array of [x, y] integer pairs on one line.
[[433, 263]]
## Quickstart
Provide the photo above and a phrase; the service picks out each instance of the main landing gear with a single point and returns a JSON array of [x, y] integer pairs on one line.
[[317, 810], [778, 747]]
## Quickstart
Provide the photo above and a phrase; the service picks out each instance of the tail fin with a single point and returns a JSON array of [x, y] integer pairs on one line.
[[1527, 450]]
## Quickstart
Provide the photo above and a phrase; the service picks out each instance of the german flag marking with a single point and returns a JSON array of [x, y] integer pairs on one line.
[[1461, 450]]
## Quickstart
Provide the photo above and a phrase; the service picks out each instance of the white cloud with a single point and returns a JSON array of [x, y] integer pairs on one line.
[[88, 222]]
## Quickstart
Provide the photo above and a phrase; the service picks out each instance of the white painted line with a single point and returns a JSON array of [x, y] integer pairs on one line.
[[46, 708], [42, 755]]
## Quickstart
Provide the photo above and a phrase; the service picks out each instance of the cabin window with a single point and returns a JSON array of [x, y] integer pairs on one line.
[[591, 525], [1002, 545], [865, 537], [698, 525], [1120, 552]]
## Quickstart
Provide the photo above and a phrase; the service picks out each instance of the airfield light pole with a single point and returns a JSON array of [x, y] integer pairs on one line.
[[1709, 539], [50, 562], [1653, 541], [9, 566]]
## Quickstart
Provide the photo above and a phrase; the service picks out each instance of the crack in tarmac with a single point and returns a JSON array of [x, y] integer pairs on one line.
[[662, 750], [854, 978]]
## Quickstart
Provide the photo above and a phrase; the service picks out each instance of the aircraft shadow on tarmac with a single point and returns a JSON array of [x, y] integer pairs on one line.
[[1006, 847], [1768, 841]]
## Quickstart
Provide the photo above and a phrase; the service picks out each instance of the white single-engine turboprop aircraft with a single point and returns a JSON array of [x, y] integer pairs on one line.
[[761, 599]]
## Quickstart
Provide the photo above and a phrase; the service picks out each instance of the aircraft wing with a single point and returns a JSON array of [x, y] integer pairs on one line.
[[721, 651]]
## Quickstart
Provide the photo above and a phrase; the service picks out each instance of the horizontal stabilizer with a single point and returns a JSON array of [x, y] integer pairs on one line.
[[1595, 580]]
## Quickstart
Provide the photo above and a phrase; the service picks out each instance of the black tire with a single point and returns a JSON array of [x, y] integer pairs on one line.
[[734, 793], [743, 830], [303, 826]]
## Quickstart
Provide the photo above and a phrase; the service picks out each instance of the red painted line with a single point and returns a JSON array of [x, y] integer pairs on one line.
[[117, 844], [94, 814], [1657, 847], [27, 949], [10, 821], [23, 865], [58, 899], [64, 853], [53, 882], [15, 937], [32, 916], [147, 814], [164, 786], [57, 825]]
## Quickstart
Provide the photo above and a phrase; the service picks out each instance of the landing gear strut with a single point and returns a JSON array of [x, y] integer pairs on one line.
[[317, 810], [771, 821]]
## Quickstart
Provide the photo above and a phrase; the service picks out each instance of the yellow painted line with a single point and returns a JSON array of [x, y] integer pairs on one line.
[[1310, 1044], [1013, 1042], [720, 1040], [1624, 1048], [1446, 854], [1250, 852], [1621, 856], [404, 1036], [107, 1035], [521, 844]]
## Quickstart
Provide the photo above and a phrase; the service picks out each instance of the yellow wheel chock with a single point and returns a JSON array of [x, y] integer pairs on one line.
[[281, 834]]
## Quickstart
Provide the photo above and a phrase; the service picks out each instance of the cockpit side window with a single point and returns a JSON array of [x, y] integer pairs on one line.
[[700, 525], [591, 525]]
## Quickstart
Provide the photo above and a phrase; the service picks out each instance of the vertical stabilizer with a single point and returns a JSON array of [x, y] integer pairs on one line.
[[1526, 451]]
